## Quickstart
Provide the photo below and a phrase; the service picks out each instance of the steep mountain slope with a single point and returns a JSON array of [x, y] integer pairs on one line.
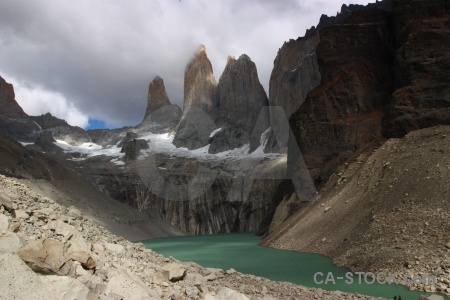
[[386, 211]]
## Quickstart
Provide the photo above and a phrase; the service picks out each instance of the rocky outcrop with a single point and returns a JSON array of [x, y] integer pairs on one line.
[[8, 104], [241, 99], [105, 137], [200, 103], [422, 67], [157, 96], [133, 147], [161, 116], [60, 130]]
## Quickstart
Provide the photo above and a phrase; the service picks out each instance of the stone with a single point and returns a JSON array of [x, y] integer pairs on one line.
[[447, 245], [65, 287], [62, 228], [75, 213], [4, 223], [20, 214], [226, 293], [43, 213], [98, 248], [158, 277], [46, 256], [18, 281], [174, 271], [124, 287], [7, 202], [84, 258], [10, 242], [115, 248]]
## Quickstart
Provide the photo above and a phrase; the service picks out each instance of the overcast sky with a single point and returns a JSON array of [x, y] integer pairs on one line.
[[94, 59]]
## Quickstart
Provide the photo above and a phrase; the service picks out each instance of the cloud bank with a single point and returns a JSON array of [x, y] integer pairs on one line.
[[95, 59]]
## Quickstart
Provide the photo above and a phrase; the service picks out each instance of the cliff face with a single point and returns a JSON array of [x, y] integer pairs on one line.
[[241, 99], [200, 103], [8, 104], [343, 114], [422, 67], [195, 196], [383, 73]]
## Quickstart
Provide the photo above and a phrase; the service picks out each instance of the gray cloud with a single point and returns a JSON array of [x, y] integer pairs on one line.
[[101, 55]]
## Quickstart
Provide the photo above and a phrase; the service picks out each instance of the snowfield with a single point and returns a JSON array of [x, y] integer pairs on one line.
[[162, 144]]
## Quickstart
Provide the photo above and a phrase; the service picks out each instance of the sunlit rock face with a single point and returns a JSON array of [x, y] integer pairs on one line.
[[200, 103]]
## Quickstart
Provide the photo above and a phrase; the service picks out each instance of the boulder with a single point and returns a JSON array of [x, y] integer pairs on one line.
[[65, 287], [10, 242], [17, 281], [115, 248], [226, 293], [46, 256], [4, 223], [174, 271], [62, 228], [7, 202], [123, 286]]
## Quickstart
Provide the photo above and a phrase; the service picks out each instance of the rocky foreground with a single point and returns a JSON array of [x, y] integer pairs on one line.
[[48, 251]]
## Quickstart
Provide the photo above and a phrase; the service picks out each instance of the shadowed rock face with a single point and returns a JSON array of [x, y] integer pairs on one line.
[[343, 114], [422, 69], [200, 103], [241, 99], [8, 105]]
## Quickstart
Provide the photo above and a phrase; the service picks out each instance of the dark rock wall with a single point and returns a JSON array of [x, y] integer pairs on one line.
[[422, 67]]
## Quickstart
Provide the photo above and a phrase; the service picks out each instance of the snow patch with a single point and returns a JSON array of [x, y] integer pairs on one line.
[[214, 132]]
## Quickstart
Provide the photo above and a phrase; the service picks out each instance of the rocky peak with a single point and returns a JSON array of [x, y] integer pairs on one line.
[[199, 83], [8, 104], [241, 99], [160, 116], [157, 96], [200, 103]]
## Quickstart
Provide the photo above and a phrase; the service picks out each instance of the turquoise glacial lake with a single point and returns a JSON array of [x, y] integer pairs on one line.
[[241, 252]]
